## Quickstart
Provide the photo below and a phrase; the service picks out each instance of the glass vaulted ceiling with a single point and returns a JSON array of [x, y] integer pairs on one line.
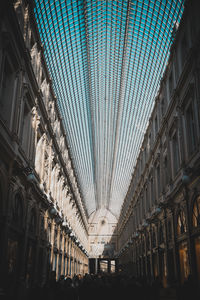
[[106, 59]]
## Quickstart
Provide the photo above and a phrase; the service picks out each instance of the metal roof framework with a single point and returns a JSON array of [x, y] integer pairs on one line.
[[106, 59]]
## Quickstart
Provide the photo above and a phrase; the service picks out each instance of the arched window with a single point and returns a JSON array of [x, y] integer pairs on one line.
[[17, 211], [196, 212], [181, 222]]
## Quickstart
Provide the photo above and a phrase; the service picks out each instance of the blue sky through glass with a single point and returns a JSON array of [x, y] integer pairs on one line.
[[106, 59]]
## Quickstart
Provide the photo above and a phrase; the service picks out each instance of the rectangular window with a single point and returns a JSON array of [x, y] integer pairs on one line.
[[145, 207], [170, 84], [25, 135], [166, 172], [184, 48], [156, 125], [162, 107], [175, 149], [190, 128], [147, 199], [141, 165], [149, 143], [144, 155], [137, 215], [152, 191], [158, 181], [141, 209], [7, 89]]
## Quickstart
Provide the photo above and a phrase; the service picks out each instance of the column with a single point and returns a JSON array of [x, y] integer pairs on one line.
[[96, 265]]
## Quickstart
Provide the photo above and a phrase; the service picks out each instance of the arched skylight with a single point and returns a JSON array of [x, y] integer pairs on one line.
[[106, 59]]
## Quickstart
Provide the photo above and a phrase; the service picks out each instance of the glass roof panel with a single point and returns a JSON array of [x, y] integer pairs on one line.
[[106, 59]]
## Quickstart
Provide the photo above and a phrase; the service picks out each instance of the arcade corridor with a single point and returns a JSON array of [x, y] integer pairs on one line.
[[99, 149]]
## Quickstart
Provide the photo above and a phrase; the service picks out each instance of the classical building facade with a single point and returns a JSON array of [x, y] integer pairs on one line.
[[159, 224], [44, 224], [43, 221]]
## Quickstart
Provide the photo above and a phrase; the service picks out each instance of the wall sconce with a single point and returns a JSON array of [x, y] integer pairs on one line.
[[157, 210], [53, 211], [30, 175], [64, 223], [31, 178], [185, 179], [41, 187]]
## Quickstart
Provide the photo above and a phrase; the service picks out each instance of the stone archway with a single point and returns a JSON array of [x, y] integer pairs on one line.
[[102, 240]]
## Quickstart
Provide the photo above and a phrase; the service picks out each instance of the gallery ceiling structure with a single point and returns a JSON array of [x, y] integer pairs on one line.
[[106, 59]]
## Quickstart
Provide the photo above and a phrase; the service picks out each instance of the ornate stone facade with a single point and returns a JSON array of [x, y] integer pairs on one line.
[[43, 221], [102, 234], [159, 229], [44, 224]]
